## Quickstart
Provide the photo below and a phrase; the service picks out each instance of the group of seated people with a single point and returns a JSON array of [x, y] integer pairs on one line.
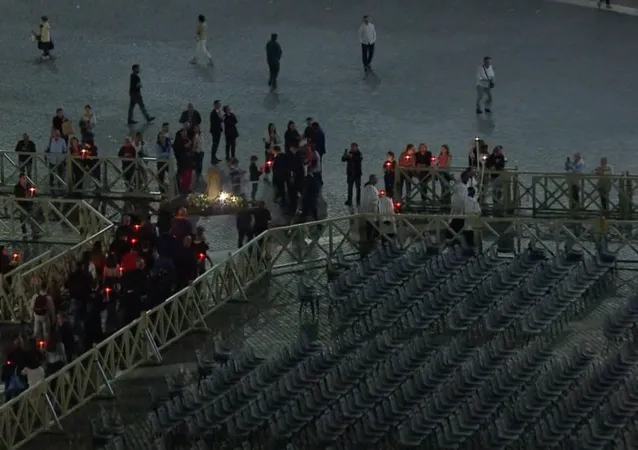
[[144, 265]]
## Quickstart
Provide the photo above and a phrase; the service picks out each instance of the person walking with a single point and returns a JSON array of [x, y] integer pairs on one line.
[[484, 85], [607, 4], [43, 38], [200, 39], [368, 37], [216, 128], [135, 96], [273, 57]]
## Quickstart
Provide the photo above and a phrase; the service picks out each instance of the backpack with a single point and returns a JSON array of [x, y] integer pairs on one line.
[[41, 305]]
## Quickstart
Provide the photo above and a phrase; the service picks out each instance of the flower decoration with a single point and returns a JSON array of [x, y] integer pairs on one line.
[[225, 203]]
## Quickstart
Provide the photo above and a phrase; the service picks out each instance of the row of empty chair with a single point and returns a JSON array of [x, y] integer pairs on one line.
[[433, 349]]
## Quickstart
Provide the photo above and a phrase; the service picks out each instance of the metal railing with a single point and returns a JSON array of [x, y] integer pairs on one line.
[[513, 192], [289, 249], [71, 222], [54, 221], [87, 176]]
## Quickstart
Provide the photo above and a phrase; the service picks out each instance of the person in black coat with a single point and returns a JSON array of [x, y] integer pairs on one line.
[[216, 128], [318, 139], [190, 116], [309, 197], [353, 159], [273, 57], [230, 132], [291, 136], [280, 174]]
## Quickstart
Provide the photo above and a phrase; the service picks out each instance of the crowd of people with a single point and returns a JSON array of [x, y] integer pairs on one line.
[[143, 266]]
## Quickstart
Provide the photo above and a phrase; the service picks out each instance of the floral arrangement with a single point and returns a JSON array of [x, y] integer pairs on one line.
[[225, 203]]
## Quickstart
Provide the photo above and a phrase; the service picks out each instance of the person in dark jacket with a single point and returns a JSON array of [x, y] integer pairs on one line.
[[244, 224], [318, 139], [190, 116], [254, 174], [216, 128], [291, 136], [181, 226], [353, 159], [295, 185], [280, 174], [308, 132], [309, 198], [24, 148], [23, 190], [185, 263], [273, 57], [230, 132]]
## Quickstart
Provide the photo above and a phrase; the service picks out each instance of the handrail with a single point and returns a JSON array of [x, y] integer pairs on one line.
[[44, 405], [54, 221], [512, 192], [147, 177], [14, 302]]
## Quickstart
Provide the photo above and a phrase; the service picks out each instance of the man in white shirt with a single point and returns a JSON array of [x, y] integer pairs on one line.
[[367, 36], [200, 39], [484, 85], [370, 204], [388, 225], [473, 213]]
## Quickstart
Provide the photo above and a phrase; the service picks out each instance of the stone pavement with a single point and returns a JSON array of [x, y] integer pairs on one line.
[[565, 83], [564, 76], [627, 7]]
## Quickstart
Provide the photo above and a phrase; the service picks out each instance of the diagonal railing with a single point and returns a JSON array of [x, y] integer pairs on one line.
[[88, 176], [77, 225], [294, 248]]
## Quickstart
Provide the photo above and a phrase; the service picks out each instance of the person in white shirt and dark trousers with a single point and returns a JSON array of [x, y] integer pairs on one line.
[[484, 85], [368, 37]]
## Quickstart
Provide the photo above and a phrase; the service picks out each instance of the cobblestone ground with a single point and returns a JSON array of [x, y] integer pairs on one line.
[[564, 75], [565, 83]]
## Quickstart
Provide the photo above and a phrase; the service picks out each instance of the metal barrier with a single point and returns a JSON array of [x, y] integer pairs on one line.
[[289, 249], [88, 176], [53, 221], [18, 286], [511, 192]]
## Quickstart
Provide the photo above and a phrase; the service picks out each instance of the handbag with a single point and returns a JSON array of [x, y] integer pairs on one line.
[[489, 79]]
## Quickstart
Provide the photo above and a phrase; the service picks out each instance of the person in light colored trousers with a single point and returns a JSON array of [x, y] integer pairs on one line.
[[200, 38], [484, 85]]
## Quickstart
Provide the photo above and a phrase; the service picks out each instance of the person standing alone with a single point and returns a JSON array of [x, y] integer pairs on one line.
[[484, 85], [273, 57], [216, 128], [200, 38], [135, 96], [368, 37]]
